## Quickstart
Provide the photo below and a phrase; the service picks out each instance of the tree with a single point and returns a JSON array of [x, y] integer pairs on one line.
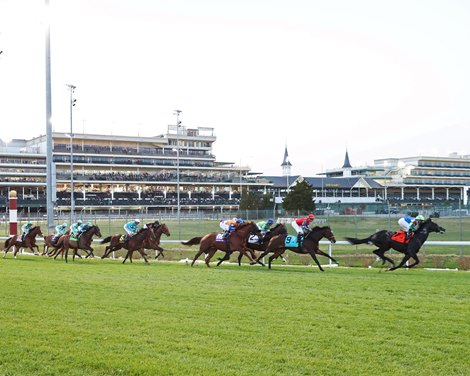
[[300, 198], [255, 200]]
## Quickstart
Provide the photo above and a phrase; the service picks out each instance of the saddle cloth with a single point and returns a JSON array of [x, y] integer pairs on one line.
[[291, 241], [400, 237], [220, 237], [253, 239]]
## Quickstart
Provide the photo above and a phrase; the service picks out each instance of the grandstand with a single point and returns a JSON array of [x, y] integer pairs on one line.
[[125, 172]]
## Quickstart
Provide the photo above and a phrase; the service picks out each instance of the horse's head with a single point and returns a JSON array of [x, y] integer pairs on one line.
[[36, 230], [323, 232], [432, 226], [97, 231], [165, 230]]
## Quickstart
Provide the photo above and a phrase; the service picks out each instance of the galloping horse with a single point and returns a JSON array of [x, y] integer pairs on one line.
[[383, 240], [152, 243], [310, 245], [255, 245], [48, 243], [135, 243], [28, 242], [83, 242], [210, 243]]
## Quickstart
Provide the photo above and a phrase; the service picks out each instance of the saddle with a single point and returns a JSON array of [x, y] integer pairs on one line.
[[400, 237]]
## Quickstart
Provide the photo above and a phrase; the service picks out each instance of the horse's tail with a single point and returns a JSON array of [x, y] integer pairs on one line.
[[358, 241], [106, 240], [192, 241], [7, 242]]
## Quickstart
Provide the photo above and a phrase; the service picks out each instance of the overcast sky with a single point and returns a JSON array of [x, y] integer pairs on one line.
[[378, 78]]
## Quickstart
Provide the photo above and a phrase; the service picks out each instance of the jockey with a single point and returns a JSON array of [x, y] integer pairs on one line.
[[301, 226], [85, 226], [229, 226], [25, 228], [409, 224], [59, 231], [131, 228], [75, 228], [264, 227]]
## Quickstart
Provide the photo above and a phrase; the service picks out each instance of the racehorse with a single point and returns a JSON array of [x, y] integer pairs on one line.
[[254, 245], [135, 243], [310, 245], [29, 241], [383, 240], [49, 243], [211, 243], [116, 244], [83, 242]]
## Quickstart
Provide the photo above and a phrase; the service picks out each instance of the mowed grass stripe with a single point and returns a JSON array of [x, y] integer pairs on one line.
[[99, 317]]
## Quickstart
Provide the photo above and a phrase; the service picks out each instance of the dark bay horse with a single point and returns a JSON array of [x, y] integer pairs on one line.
[[383, 241], [211, 243], [116, 244], [310, 245], [83, 242], [28, 242], [257, 246], [135, 243]]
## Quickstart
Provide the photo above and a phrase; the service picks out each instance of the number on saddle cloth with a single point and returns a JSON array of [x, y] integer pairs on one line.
[[253, 239], [400, 237], [291, 241]]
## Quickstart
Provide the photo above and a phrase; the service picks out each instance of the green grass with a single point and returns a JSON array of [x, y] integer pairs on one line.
[[96, 317]]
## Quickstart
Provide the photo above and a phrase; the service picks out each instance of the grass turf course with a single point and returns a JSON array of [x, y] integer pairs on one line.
[[99, 317]]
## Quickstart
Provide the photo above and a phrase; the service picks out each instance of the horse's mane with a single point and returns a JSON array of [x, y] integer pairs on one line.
[[321, 228]]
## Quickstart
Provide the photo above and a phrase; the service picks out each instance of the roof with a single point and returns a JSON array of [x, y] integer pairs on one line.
[[343, 182], [319, 182]]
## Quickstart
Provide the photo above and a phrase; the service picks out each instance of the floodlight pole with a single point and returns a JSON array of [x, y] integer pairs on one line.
[[178, 206], [49, 158], [72, 188]]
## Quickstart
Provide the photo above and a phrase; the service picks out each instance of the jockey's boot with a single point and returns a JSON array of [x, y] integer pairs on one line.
[[23, 236], [299, 240]]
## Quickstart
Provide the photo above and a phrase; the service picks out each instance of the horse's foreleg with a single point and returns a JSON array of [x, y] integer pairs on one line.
[[127, 255], [318, 251], [403, 262], [239, 259], [414, 256], [278, 252], [314, 256], [141, 251], [160, 252]]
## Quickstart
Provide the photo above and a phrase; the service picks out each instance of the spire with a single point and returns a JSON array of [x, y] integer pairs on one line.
[[286, 162], [286, 165], [346, 164]]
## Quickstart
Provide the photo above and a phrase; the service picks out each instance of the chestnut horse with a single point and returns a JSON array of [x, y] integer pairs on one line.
[[254, 245], [49, 243], [211, 243], [28, 242], [83, 242], [382, 240], [116, 244], [310, 245]]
